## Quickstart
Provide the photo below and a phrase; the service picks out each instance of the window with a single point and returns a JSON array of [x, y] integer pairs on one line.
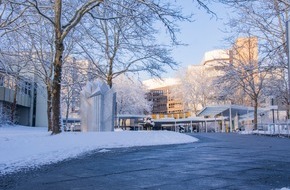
[[1, 80]]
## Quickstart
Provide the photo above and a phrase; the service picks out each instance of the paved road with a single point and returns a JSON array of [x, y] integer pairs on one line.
[[217, 161]]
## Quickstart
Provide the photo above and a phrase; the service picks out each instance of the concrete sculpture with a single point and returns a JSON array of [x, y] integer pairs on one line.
[[98, 104]]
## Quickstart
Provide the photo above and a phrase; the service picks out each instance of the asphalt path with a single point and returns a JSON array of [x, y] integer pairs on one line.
[[217, 161]]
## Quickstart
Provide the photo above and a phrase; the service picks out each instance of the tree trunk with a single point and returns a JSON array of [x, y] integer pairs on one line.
[[67, 112], [49, 119], [56, 89], [110, 74], [109, 81], [288, 110], [57, 64], [14, 103], [256, 114]]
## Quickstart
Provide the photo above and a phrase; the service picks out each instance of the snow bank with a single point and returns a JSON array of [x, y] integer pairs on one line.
[[23, 147], [245, 132]]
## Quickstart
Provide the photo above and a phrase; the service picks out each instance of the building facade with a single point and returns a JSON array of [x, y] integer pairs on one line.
[[212, 66], [165, 103], [22, 95]]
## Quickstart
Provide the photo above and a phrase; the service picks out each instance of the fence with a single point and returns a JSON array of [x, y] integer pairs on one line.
[[277, 129]]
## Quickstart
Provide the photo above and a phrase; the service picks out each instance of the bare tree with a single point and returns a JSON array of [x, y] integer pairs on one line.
[[57, 17], [196, 88], [131, 97], [12, 60], [64, 16], [56, 14], [40, 37], [10, 14], [245, 73], [266, 20], [125, 40], [73, 80], [15, 58]]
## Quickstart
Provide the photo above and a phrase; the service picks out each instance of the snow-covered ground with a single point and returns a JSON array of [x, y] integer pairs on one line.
[[27, 147]]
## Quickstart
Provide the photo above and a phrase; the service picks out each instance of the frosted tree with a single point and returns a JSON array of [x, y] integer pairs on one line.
[[73, 80], [69, 91], [196, 88], [13, 54], [131, 96], [39, 37], [65, 16]]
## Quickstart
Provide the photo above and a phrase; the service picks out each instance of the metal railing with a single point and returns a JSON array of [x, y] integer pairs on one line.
[[277, 129]]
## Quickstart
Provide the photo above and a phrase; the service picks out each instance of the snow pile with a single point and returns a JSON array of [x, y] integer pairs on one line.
[[23, 147], [245, 132]]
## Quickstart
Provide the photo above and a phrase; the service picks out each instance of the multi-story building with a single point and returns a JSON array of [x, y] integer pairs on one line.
[[30, 107], [211, 67], [202, 76], [244, 57], [245, 51], [161, 93]]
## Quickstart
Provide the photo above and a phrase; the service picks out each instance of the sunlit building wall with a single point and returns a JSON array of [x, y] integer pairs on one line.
[[165, 105]]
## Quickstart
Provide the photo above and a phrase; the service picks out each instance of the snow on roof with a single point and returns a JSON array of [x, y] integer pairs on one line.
[[218, 54], [214, 110], [159, 83], [187, 120]]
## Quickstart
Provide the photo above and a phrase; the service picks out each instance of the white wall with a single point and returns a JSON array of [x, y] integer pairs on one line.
[[41, 107]]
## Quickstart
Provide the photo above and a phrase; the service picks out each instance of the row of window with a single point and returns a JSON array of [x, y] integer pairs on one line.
[[156, 93], [175, 105], [162, 99], [9, 82], [176, 111]]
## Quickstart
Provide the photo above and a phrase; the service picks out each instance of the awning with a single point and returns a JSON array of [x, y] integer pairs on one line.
[[212, 111], [188, 120], [224, 110]]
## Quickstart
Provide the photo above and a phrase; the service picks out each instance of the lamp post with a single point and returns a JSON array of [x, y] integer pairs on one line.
[[288, 55], [261, 117], [273, 113]]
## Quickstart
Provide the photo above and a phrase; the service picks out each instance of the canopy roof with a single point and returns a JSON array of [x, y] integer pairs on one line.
[[187, 120], [224, 110]]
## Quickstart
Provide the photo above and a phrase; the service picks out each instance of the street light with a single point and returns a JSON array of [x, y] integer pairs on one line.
[[273, 114], [261, 116], [288, 55]]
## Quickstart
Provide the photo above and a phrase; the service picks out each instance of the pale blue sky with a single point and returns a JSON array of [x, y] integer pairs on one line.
[[204, 34]]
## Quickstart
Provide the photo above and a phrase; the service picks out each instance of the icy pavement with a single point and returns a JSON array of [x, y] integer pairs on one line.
[[216, 161]]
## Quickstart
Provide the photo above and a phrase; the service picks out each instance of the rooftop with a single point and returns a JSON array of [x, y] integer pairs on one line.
[[159, 83]]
